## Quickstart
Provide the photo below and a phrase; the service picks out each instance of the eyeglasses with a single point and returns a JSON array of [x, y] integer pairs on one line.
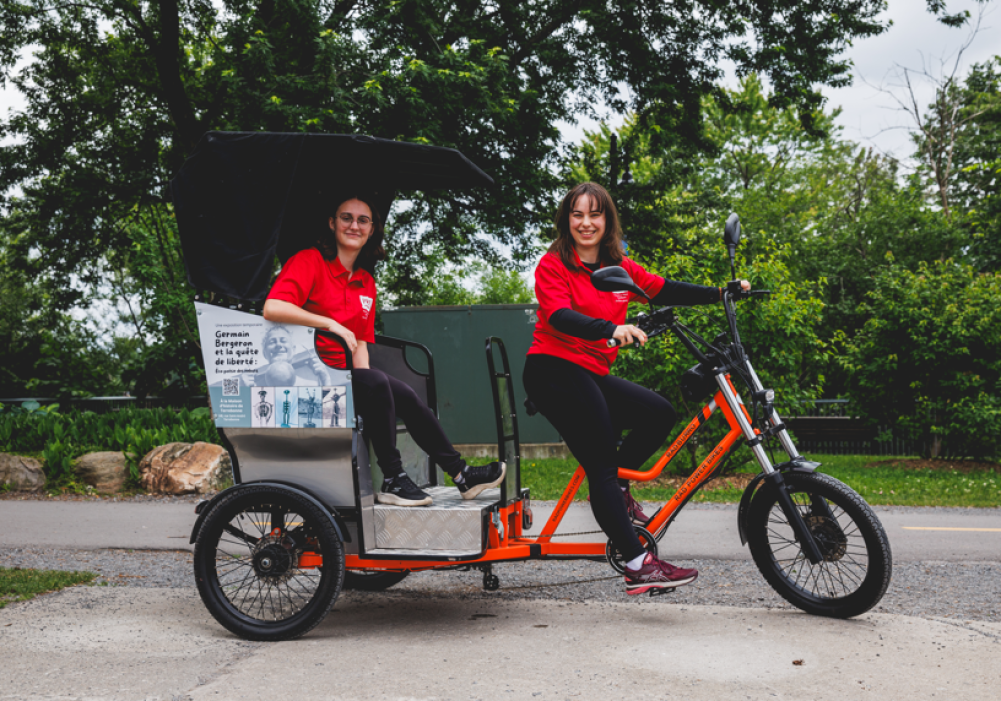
[[346, 219]]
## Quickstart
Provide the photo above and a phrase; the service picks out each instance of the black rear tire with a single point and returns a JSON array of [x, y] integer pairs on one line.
[[247, 563], [857, 564], [372, 580]]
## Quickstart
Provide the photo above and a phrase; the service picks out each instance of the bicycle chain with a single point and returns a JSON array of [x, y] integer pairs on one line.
[[559, 535]]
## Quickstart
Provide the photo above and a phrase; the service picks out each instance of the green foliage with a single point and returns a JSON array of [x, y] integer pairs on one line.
[[498, 286], [58, 458], [665, 219], [977, 185], [118, 93], [780, 332], [926, 362], [62, 437], [878, 480], [146, 280], [470, 283]]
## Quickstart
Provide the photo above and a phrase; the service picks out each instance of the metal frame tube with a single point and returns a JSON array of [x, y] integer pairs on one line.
[[774, 418], [737, 407]]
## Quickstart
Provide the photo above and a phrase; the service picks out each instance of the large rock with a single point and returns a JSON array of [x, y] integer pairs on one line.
[[21, 473], [105, 471], [185, 468]]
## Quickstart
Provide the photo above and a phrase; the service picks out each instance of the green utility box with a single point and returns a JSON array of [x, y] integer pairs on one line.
[[457, 339]]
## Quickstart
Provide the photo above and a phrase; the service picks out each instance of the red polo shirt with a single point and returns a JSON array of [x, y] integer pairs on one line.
[[324, 287], [558, 288]]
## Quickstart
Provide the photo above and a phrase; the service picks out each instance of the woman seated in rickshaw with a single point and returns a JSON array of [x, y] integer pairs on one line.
[[331, 287], [567, 371]]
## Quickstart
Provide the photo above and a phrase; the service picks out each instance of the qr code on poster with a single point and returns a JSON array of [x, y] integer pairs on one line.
[[231, 386]]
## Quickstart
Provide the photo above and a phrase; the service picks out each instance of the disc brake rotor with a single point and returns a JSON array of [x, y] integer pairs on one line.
[[829, 537]]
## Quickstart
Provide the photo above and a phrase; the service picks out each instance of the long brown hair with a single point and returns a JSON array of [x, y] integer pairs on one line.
[[610, 250], [372, 252]]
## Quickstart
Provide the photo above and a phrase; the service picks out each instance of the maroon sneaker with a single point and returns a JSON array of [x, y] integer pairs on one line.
[[633, 508], [657, 574]]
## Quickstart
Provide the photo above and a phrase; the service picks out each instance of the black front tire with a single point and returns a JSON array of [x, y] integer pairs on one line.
[[247, 558], [857, 564], [372, 580]]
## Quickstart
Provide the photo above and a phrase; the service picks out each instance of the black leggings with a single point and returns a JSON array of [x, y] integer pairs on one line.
[[590, 412], [380, 400]]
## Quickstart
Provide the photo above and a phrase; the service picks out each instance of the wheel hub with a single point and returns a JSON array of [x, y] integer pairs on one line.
[[272, 561], [829, 537]]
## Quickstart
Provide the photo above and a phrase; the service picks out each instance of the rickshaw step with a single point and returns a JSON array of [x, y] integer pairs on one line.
[[451, 526]]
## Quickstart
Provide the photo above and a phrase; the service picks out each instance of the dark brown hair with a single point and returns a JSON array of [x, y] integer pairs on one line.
[[610, 250], [372, 252]]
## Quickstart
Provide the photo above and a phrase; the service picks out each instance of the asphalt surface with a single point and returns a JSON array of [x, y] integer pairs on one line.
[[706, 531], [553, 631]]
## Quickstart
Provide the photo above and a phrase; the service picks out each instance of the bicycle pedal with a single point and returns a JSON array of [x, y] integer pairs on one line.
[[659, 591]]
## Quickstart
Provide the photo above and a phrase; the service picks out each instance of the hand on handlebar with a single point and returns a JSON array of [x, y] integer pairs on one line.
[[741, 289], [625, 334]]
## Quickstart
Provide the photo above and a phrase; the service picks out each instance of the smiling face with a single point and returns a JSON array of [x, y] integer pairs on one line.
[[352, 225], [587, 226], [277, 344]]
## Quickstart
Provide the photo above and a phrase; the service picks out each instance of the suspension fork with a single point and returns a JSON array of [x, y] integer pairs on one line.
[[772, 476], [774, 419]]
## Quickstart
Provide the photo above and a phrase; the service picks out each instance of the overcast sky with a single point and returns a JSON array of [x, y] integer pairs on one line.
[[869, 117], [915, 41]]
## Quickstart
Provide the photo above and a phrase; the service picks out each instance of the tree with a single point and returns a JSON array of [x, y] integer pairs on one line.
[[118, 92], [471, 282], [925, 364], [672, 212], [977, 185]]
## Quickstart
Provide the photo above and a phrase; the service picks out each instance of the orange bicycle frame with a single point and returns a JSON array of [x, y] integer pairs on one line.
[[506, 541]]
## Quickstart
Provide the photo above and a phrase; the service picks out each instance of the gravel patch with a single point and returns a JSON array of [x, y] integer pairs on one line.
[[134, 568], [962, 591]]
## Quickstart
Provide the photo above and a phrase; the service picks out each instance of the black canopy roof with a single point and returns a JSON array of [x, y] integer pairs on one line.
[[243, 197]]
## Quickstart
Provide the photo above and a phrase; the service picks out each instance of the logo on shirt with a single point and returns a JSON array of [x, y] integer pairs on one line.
[[366, 305], [621, 296]]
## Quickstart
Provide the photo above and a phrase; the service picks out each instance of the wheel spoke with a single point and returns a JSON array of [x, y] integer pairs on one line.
[[262, 580], [831, 513]]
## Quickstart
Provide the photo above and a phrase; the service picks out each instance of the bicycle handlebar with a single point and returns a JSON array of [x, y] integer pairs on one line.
[[658, 322], [613, 342]]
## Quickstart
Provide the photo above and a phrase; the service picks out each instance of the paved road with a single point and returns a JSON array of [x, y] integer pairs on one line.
[[700, 532], [120, 643], [130, 643]]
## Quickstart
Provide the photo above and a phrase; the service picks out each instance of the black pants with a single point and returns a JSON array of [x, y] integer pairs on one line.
[[380, 399], [591, 412]]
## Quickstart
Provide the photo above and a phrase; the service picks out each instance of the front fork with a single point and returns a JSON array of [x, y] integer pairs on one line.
[[773, 476], [775, 420]]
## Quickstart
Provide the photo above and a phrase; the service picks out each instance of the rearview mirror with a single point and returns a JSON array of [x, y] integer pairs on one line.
[[731, 232], [615, 279]]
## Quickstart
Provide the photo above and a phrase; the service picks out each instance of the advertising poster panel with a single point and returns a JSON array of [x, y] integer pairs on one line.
[[262, 374]]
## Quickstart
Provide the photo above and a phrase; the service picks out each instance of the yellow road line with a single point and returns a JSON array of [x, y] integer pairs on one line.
[[937, 528]]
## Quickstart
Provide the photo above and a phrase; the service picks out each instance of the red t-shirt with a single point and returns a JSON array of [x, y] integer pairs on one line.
[[323, 287], [558, 288]]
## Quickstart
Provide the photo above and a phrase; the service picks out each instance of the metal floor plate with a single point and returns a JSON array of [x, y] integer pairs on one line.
[[450, 527]]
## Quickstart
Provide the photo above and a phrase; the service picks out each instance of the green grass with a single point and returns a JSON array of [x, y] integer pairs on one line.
[[879, 480], [18, 584]]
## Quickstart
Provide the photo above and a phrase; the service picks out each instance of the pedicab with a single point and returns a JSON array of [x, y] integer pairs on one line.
[[301, 522]]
